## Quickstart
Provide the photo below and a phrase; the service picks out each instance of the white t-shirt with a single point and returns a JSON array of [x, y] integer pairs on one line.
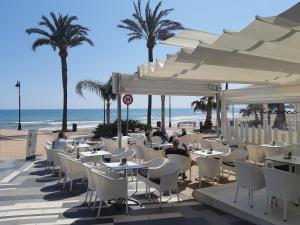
[[60, 143]]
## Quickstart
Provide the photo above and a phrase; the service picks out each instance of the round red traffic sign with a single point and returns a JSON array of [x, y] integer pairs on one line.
[[127, 99]]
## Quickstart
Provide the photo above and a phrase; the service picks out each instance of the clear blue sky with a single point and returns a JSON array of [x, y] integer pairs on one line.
[[40, 72]]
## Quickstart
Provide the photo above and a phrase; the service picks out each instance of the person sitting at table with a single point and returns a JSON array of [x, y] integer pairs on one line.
[[60, 142], [160, 133]]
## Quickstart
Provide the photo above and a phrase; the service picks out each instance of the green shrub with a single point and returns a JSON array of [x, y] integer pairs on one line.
[[111, 130]]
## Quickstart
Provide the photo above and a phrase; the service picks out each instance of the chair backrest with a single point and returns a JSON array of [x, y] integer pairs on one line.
[[225, 150], [205, 144], [234, 141], [150, 153], [269, 152], [249, 175], [281, 184], [208, 167], [236, 155], [74, 168], [156, 162], [109, 188], [256, 153], [156, 139], [129, 154], [48, 153], [169, 177], [139, 151], [183, 162], [88, 169]]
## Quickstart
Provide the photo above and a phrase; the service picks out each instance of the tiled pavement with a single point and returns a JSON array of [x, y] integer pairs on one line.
[[31, 196]]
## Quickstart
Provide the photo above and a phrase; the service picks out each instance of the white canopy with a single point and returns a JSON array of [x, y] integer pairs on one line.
[[265, 52], [134, 85]]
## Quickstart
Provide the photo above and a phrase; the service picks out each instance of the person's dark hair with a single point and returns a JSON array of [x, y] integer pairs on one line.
[[61, 135]]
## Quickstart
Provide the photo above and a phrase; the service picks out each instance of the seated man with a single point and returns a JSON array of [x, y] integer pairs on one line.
[[160, 133], [176, 150], [179, 151], [60, 142], [183, 132]]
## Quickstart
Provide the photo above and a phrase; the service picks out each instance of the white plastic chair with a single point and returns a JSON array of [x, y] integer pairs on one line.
[[139, 152], [256, 154], [282, 185], [248, 176], [74, 170], [150, 154], [166, 181], [152, 171], [236, 155], [49, 156], [108, 188], [208, 168], [184, 163], [129, 154]]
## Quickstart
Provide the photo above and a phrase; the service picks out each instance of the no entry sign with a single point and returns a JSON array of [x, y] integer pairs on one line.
[[127, 99]]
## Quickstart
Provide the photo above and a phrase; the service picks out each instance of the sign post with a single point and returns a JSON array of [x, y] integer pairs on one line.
[[127, 100], [31, 144]]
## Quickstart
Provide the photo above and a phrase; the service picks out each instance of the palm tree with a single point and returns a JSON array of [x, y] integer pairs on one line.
[[205, 104], [256, 109], [151, 26], [63, 34], [93, 86], [108, 95]]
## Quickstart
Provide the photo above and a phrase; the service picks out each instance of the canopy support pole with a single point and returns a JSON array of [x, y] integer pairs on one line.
[[218, 111], [118, 80]]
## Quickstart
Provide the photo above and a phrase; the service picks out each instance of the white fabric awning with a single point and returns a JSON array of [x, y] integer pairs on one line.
[[267, 51], [131, 84]]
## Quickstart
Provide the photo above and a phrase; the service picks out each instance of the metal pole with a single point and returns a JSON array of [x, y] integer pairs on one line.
[[170, 123], [127, 120], [119, 112], [218, 111], [18, 85]]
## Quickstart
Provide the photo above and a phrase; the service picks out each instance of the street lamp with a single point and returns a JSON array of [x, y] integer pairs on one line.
[[170, 123], [18, 85]]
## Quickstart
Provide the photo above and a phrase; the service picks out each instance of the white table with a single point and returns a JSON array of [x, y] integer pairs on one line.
[[222, 141], [94, 154], [295, 160], [273, 146], [116, 166], [207, 153], [161, 145]]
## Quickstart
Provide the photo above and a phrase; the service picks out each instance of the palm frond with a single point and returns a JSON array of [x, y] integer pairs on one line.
[[90, 85], [41, 42]]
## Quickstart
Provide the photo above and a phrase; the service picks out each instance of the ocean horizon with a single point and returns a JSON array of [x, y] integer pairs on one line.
[[50, 119]]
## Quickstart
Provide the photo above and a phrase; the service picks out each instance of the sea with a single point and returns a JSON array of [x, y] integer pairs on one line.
[[50, 119]]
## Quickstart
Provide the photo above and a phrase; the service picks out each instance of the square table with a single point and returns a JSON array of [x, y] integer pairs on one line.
[[206, 153], [294, 160], [116, 166], [95, 154]]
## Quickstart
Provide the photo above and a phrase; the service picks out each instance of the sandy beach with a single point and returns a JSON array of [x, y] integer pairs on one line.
[[13, 142]]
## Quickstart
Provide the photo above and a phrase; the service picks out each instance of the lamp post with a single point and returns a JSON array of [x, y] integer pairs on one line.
[[170, 123], [18, 85]]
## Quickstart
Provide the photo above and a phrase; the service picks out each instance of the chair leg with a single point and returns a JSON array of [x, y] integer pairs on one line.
[[87, 194], [126, 205], [95, 200], [236, 193], [65, 181], [136, 184], [267, 204], [99, 210], [284, 210], [159, 199], [191, 173], [92, 192], [177, 196], [59, 176], [71, 185], [251, 199]]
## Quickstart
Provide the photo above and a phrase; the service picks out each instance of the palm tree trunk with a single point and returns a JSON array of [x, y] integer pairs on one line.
[[108, 111], [64, 73], [163, 125], [104, 111], [149, 110], [280, 119]]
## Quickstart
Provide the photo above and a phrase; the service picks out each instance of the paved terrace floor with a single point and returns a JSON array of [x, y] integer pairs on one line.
[[30, 195]]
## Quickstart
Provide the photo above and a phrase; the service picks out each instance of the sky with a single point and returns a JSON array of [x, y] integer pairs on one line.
[[40, 71]]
